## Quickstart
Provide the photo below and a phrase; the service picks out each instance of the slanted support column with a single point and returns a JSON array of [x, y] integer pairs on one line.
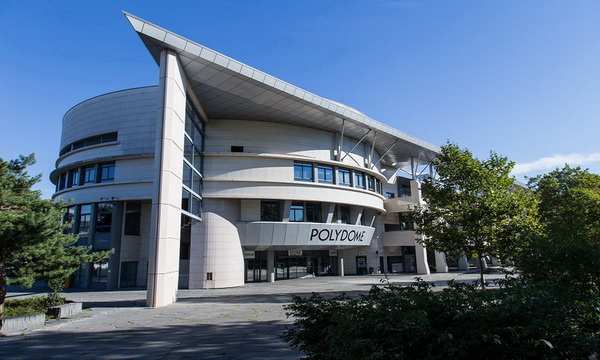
[[163, 266], [440, 262], [422, 263], [463, 263]]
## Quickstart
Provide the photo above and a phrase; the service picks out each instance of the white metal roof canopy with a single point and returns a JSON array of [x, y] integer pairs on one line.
[[229, 89]]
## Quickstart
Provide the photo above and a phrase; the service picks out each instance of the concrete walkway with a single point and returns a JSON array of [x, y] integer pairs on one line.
[[237, 323]]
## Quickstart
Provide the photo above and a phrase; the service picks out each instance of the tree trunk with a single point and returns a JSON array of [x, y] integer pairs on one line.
[[2, 286], [481, 278]]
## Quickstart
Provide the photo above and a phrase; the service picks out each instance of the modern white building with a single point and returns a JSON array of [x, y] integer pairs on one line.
[[223, 174]]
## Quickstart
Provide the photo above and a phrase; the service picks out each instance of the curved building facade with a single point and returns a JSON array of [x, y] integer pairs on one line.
[[222, 175]]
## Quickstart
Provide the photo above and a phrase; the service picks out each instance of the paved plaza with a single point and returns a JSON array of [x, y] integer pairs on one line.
[[236, 323]]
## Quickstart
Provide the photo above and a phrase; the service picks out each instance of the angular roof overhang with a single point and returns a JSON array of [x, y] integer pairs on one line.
[[229, 89]]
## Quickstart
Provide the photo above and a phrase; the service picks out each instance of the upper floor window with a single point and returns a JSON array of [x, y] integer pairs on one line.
[[303, 171], [325, 174], [269, 211], [359, 180], [313, 212], [107, 172], [89, 174], [132, 218], [297, 211], [73, 179], [371, 183], [85, 219], [344, 177], [390, 195], [89, 141]]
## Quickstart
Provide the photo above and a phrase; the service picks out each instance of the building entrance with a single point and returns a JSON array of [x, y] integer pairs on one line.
[[298, 263]]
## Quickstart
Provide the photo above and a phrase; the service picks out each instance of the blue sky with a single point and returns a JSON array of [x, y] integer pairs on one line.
[[520, 78]]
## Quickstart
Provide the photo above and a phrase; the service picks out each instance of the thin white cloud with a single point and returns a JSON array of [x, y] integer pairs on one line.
[[556, 161]]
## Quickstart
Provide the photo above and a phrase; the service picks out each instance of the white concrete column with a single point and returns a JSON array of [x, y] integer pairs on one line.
[[163, 254], [463, 263], [440, 262], [422, 263], [341, 266], [216, 257], [271, 265]]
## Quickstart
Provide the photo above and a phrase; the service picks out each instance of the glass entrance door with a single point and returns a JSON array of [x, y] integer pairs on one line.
[[256, 270]]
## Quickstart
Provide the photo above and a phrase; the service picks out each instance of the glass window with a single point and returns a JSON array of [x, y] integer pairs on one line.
[[104, 217], [359, 180], [188, 149], [269, 211], [73, 178], [390, 195], [85, 217], [303, 171], [404, 222], [89, 174], [344, 177], [132, 218], [345, 214], [197, 160], [62, 181], [325, 174], [187, 175], [69, 219], [196, 183], [196, 206], [371, 183], [99, 271], [107, 172], [297, 212], [313, 212], [185, 200]]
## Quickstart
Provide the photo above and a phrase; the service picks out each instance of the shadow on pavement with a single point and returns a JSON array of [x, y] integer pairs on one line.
[[236, 340]]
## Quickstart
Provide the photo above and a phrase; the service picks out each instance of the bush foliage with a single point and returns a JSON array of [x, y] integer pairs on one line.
[[31, 305], [516, 321]]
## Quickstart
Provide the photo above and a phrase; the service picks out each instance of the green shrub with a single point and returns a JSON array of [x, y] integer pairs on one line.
[[31, 305], [518, 321]]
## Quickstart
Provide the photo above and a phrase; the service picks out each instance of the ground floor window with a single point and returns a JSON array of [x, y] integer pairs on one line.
[[99, 272], [128, 274]]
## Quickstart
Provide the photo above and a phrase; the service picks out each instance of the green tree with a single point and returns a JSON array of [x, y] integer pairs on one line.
[[33, 242], [568, 248], [473, 208]]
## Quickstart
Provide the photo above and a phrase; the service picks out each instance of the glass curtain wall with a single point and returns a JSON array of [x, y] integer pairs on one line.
[[191, 203]]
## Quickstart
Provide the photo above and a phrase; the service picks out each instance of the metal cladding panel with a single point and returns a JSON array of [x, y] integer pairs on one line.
[[304, 235]]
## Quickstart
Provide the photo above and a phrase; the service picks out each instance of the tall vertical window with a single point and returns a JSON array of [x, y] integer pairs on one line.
[[62, 181], [325, 173], [69, 219], [99, 272], [344, 177], [73, 178], [371, 183], [345, 214], [303, 171], [132, 218], [85, 218], [103, 225], [297, 211], [359, 180], [313, 212], [89, 174], [107, 172], [191, 201]]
